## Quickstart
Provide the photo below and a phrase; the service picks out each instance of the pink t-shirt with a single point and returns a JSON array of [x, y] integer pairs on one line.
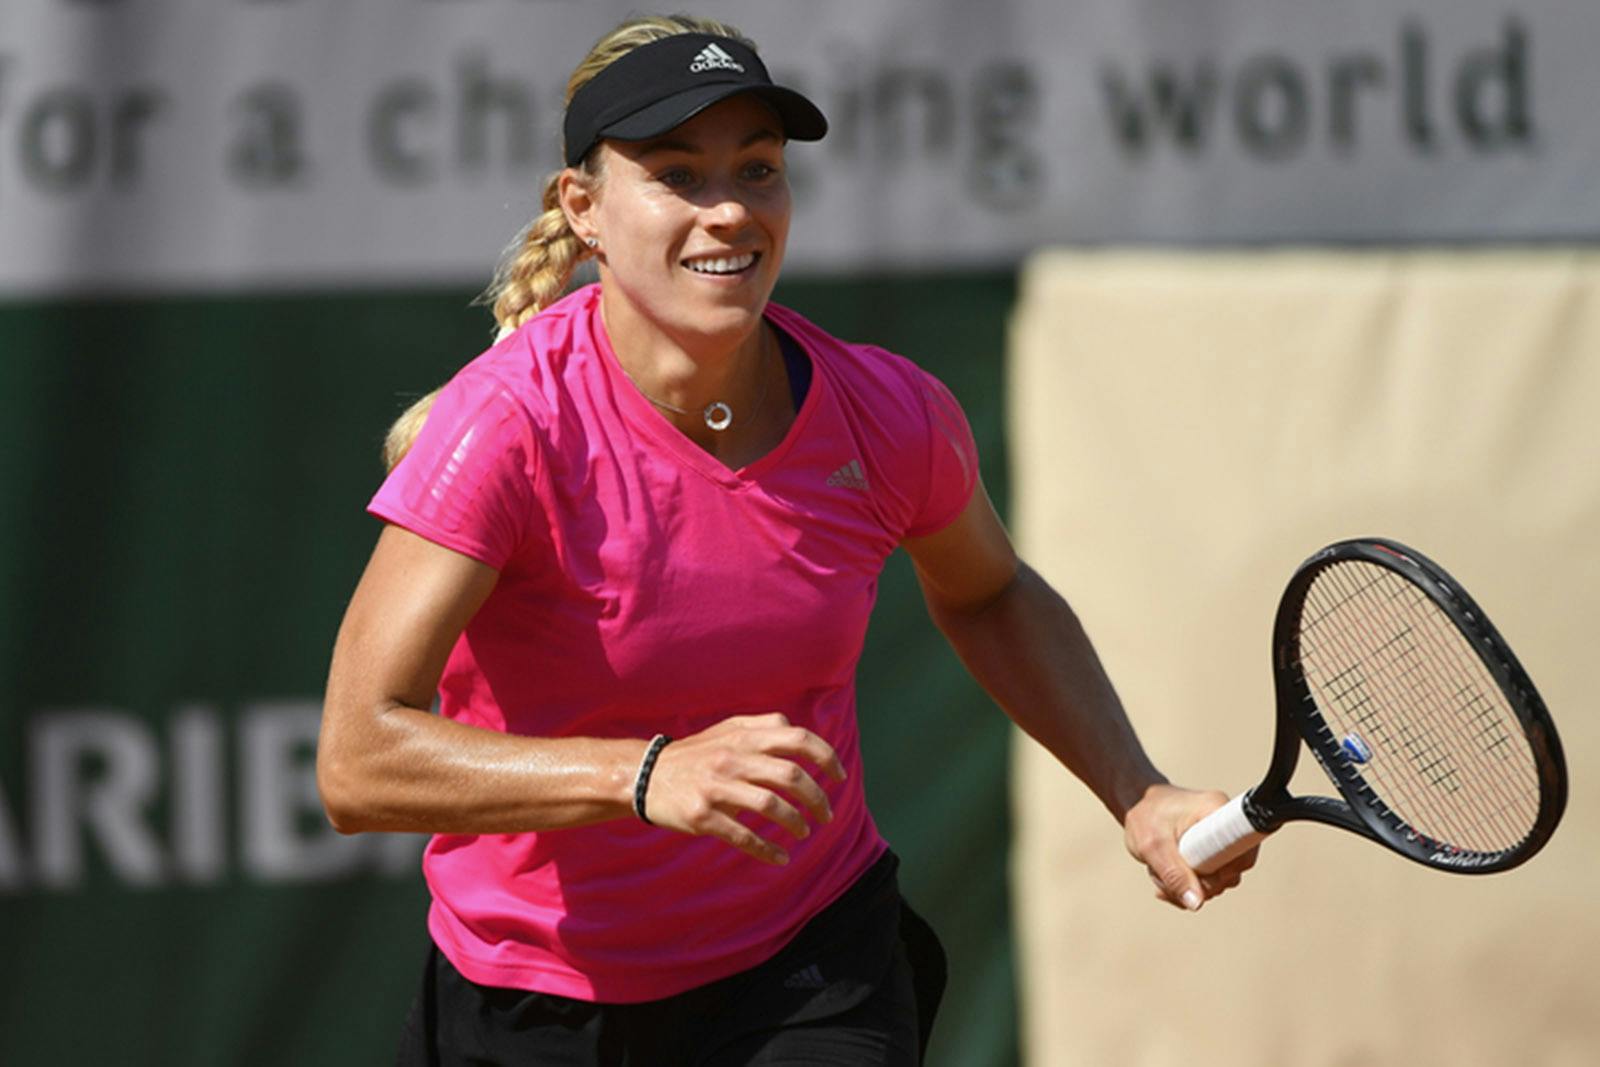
[[645, 588]]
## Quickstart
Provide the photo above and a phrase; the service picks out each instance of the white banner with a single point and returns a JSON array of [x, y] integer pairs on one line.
[[202, 144]]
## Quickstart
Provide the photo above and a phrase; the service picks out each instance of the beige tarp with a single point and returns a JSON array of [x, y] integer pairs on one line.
[[1186, 429]]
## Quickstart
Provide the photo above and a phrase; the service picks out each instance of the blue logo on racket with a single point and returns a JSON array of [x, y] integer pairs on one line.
[[1355, 748]]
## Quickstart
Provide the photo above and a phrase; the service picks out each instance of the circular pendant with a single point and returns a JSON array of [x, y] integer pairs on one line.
[[718, 415]]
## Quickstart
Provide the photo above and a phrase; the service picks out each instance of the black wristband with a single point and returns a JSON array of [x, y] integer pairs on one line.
[[641, 781]]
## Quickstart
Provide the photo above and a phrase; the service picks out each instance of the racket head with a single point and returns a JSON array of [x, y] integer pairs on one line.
[[1416, 708]]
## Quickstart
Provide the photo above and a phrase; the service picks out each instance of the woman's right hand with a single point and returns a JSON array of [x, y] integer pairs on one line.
[[746, 764]]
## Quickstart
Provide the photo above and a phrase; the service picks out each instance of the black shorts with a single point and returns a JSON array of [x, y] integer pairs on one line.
[[858, 985]]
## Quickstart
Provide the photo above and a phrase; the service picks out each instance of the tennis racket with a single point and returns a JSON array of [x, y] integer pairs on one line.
[[1437, 741]]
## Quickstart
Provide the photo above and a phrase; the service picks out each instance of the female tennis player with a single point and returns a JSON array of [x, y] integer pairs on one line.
[[633, 548]]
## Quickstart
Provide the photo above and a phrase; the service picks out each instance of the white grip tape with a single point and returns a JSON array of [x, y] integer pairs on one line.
[[1219, 837]]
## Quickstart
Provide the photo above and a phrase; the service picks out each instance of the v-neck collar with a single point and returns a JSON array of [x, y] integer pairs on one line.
[[643, 416]]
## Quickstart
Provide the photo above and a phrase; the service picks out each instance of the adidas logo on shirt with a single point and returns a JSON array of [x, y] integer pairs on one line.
[[714, 58], [851, 476]]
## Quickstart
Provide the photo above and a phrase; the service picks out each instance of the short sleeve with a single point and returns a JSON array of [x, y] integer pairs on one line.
[[952, 460], [467, 482]]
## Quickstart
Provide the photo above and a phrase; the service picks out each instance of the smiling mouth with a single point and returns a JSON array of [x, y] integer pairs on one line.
[[722, 266]]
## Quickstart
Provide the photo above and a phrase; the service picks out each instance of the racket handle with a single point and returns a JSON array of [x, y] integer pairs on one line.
[[1219, 837]]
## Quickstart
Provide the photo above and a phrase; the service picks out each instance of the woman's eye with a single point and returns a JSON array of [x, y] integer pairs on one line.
[[759, 171], [677, 177]]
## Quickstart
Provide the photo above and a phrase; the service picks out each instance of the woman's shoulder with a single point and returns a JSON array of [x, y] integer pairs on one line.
[[884, 386], [914, 438], [529, 363]]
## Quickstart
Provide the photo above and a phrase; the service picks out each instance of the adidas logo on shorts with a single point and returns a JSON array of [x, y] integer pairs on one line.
[[714, 58], [806, 978]]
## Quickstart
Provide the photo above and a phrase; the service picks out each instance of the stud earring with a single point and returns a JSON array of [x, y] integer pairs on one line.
[[592, 242]]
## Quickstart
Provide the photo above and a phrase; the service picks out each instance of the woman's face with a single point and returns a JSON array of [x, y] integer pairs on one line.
[[692, 225]]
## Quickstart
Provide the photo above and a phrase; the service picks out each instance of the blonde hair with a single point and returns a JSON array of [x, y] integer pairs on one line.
[[537, 267]]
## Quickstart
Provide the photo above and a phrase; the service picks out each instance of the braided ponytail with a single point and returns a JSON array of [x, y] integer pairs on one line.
[[536, 270], [534, 276], [531, 276]]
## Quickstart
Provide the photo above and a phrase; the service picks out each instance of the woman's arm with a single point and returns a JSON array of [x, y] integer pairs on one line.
[[385, 762], [1026, 647]]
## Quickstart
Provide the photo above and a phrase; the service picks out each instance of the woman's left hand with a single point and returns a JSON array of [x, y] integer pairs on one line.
[[1151, 831]]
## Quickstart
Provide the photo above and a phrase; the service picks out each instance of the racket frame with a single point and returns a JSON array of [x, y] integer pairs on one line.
[[1269, 805]]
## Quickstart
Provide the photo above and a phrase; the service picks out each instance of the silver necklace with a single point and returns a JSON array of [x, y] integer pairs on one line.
[[718, 414]]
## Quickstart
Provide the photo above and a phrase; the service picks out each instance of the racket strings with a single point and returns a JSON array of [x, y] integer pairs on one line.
[[1403, 661], [1447, 753], [1447, 722]]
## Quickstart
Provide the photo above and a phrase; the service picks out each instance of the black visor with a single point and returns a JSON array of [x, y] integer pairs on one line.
[[665, 83]]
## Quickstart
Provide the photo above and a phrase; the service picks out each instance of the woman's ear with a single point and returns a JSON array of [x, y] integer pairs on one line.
[[578, 203]]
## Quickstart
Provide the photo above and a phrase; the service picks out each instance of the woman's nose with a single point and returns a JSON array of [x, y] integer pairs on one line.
[[726, 207]]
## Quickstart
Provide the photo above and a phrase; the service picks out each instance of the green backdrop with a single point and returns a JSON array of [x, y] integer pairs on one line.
[[181, 493]]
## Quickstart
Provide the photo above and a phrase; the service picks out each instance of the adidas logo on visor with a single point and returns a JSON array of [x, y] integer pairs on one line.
[[714, 58]]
